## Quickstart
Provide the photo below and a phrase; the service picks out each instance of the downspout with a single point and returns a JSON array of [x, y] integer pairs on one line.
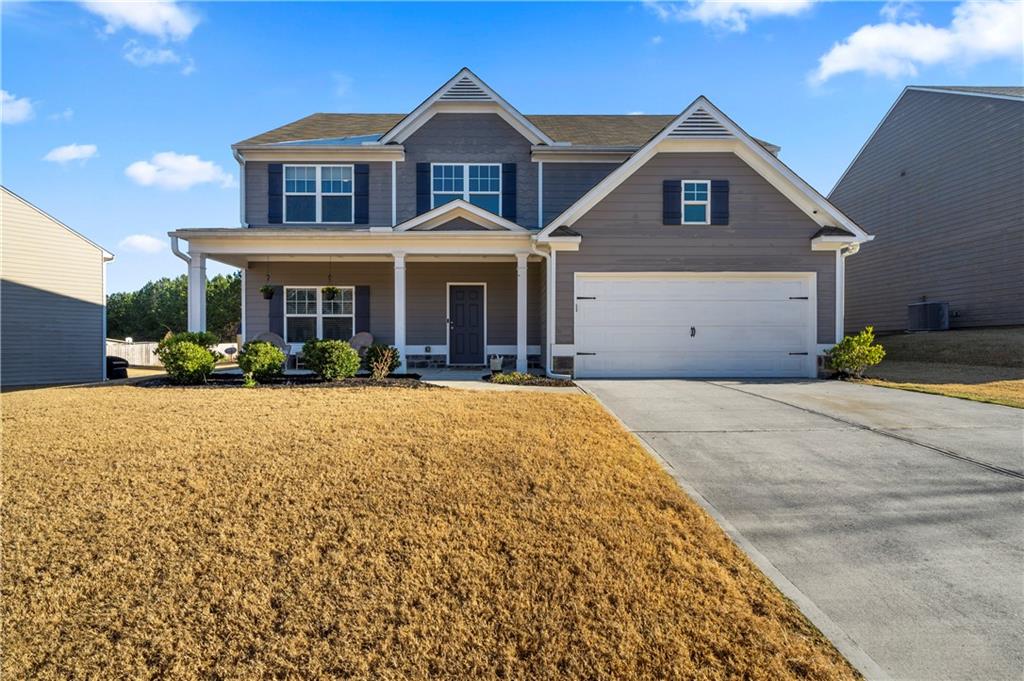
[[177, 251], [841, 255], [550, 317], [241, 186]]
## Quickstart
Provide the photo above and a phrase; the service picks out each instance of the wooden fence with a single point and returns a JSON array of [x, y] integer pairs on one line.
[[144, 354]]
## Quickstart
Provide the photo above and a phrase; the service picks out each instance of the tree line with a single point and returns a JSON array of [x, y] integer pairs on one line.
[[161, 306]]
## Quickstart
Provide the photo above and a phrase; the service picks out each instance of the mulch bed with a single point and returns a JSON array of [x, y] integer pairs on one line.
[[236, 381], [541, 381]]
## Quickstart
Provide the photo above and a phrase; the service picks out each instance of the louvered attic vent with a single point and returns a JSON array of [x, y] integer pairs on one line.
[[466, 90], [700, 125]]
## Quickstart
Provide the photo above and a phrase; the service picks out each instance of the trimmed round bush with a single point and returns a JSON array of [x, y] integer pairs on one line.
[[331, 359], [261, 360], [204, 339], [852, 355], [373, 355], [186, 363]]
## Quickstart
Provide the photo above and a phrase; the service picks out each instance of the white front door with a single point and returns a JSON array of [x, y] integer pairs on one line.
[[691, 324]]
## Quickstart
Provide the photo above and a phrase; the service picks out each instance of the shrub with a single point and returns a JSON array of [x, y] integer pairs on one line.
[[186, 362], [381, 360], [331, 359], [513, 378], [261, 361], [852, 355], [204, 339]]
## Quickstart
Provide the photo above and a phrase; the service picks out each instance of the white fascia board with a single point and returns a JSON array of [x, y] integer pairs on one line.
[[422, 113], [460, 208], [745, 146], [832, 243], [394, 152]]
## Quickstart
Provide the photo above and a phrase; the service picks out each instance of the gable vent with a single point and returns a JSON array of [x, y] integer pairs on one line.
[[700, 125], [465, 90]]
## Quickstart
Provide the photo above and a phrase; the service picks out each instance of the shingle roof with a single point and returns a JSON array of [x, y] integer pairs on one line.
[[601, 130], [564, 231], [998, 90], [828, 230]]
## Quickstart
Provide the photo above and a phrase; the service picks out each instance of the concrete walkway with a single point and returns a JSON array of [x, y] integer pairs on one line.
[[894, 519]]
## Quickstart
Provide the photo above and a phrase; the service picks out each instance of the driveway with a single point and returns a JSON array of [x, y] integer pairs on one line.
[[895, 519]]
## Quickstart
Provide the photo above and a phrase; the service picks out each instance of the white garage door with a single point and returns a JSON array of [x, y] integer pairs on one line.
[[695, 325]]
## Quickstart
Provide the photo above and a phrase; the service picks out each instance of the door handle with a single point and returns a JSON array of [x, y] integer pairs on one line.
[[693, 331]]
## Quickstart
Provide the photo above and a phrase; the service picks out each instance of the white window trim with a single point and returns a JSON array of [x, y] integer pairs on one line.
[[465, 183], [319, 309], [706, 204], [319, 194]]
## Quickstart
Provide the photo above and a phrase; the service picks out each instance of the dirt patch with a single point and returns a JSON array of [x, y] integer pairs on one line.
[[384, 534], [998, 385]]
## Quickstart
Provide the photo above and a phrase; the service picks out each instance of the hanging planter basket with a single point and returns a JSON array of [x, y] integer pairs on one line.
[[268, 291], [330, 292]]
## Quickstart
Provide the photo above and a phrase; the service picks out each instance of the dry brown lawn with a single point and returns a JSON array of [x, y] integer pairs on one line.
[[368, 533], [998, 385]]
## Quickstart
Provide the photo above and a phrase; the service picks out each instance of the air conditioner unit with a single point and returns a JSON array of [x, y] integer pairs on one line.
[[928, 316]]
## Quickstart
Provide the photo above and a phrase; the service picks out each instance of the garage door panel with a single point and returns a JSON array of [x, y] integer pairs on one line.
[[742, 326]]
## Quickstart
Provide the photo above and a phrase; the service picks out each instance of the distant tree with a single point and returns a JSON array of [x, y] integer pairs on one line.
[[162, 305]]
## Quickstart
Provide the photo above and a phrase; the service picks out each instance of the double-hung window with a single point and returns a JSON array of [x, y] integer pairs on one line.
[[696, 202], [309, 314], [477, 183], [318, 194]]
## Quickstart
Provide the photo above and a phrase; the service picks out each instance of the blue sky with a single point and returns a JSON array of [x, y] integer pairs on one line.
[[118, 117]]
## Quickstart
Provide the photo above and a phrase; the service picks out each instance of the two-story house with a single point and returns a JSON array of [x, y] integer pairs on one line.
[[598, 245]]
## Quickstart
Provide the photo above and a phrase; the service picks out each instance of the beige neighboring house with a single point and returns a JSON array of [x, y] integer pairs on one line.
[[53, 313]]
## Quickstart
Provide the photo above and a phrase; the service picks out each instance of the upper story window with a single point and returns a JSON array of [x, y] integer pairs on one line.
[[696, 202], [318, 194], [477, 183]]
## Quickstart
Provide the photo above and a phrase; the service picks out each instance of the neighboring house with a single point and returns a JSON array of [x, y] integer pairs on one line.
[[600, 245], [940, 183], [52, 299]]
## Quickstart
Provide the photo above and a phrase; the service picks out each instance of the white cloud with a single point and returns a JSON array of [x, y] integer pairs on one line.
[[65, 115], [170, 170], [142, 243], [148, 56], [342, 84], [164, 20], [15, 109], [979, 31], [635, 113], [71, 152], [900, 10], [656, 40], [730, 15], [189, 68]]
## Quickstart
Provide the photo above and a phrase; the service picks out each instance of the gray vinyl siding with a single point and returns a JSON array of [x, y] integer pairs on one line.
[[941, 187], [565, 183], [51, 300], [766, 233], [256, 191], [469, 138], [379, 276], [426, 291], [426, 300]]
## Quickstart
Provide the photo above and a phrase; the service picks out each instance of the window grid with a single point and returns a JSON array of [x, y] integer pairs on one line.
[[476, 183], [308, 303], [318, 182], [696, 202]]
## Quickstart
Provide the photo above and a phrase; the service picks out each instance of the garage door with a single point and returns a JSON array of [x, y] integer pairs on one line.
[[695, 325]]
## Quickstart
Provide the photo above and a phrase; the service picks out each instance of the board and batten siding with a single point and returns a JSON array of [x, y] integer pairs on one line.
[[941, 187], [469, 138], [766, 233], [426, 296], [51, 300], [256, 186], [565, 183]]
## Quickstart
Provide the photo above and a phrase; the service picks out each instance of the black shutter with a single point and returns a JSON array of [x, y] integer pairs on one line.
[[672, 202], [275, 312], [719, 202], [362, 194], [508, 191], [422, 188], [362, 309], [275, 193]]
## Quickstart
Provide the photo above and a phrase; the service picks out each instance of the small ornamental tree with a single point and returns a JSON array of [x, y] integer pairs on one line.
[[331, 360], [852, 355], [261, 361], [381, 360]]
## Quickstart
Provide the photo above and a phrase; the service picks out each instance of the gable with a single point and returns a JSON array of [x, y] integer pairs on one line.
[[457, 224], [467, 137]]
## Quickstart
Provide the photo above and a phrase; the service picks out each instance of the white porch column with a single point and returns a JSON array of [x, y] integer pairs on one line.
[[197, 292], [400, 308], [521, 280]]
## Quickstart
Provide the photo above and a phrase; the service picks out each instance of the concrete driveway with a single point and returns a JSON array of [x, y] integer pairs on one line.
[[894, 519]]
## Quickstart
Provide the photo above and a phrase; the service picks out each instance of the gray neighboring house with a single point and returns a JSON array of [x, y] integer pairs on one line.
[[52, 299], [596, 245], [940, 183]]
